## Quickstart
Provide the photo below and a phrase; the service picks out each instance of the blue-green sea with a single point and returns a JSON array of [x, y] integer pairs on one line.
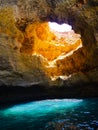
[[54, 114]]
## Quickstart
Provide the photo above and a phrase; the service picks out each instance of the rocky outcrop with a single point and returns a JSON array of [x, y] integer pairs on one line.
[[23, 69]]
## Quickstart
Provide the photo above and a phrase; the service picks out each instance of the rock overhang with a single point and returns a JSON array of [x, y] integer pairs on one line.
[[28, 12]]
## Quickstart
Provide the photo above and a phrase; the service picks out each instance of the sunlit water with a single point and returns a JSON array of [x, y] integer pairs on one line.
[[76, 114]]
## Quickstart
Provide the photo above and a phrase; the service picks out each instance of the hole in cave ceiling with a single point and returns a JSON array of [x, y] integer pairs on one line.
[[59, 27], [51, 41]]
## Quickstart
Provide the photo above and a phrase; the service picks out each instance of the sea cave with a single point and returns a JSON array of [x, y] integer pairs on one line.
[[49, 64]]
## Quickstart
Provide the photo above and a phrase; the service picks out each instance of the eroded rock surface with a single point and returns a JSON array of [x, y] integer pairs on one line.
[[23, 69]]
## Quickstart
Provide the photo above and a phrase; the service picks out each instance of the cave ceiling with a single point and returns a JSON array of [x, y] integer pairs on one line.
[[33, 52]]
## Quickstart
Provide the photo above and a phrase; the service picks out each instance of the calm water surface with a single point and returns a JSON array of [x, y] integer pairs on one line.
[[56, 114]]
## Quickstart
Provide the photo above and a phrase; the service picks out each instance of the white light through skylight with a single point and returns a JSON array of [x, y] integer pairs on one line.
[[60, 27]]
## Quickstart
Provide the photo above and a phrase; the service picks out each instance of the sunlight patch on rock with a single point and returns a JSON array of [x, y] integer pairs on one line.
[[52, 42]]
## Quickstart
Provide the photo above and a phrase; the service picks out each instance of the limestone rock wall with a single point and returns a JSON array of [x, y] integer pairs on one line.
[[19, 69]]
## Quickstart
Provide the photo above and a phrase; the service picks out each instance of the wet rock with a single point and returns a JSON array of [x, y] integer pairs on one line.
[[73, 126]]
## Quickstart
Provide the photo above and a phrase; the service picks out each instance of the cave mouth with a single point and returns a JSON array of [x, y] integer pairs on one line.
[[50, 40]]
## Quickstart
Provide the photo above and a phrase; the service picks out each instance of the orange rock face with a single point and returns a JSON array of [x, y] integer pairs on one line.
[[50, 44]]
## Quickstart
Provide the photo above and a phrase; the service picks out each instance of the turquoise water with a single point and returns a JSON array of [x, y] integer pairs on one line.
[[56, 114]]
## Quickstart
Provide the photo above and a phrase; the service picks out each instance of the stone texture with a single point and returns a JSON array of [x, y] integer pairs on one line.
[[20, 69]]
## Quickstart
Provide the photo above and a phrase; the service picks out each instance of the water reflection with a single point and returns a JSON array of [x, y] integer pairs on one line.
[[51, 115]]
